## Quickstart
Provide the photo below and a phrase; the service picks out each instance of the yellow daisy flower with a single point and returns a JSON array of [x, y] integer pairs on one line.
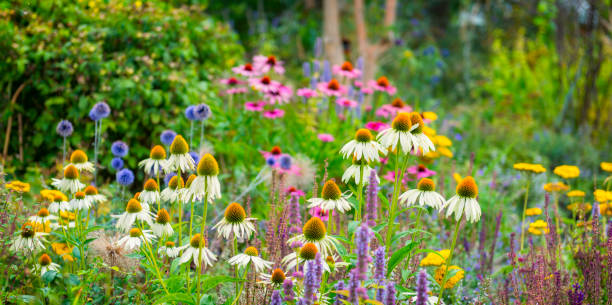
[[567, 171], [434, 259]]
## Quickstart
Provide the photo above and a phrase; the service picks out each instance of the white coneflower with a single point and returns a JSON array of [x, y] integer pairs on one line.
[[314, 232], [150, 193], [363, 147], [465, 201], [80, 202], [173, 192], [277, 277], [60, 203], [70, 183], [169, 249], [197, 252], [307, 252], [424, 195], [186, 195], [46, 264], [42, 217], [399, 135], [155, 162], [66, 219], [354, 172], [162, 226], [235, 221], [133, 211], [135, 238], [250, 256], [331, 199], [92, 195], [28, 240], [207, 181], [420, 141], [180, 159], [78, 158]]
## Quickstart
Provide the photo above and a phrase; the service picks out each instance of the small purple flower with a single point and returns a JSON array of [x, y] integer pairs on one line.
[[190, 114], [362, 239], [64, 128], [168, 177], [285, 162], [117, 163], [99, 111], [339, 286], [380, 263], [119, 149], [306, 69], [202, 112], [353, 284], [195, 156], [271, 161], [421, 297], [372, 199], [295, 219], [575, 295], [276, 298], [167, 136], [125, 177], [390, 294], [288, 290]]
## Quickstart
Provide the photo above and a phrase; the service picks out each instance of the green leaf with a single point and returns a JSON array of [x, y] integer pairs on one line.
[[398, 256], [49, 276], [213, 281], [175, 298]]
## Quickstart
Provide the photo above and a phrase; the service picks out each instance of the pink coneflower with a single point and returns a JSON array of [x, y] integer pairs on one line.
[[245, 70], [231, 82], [318, 212], [325, 137], [274, 113], [281, 94], [346, 103], [294, 191], [391, 110], [346, 70], [306, 92], [420, 171], [332, 88], [382, 84], [237, 90], [367, 90], [265, 64], [254, 106], [376, 126], [264, 83]]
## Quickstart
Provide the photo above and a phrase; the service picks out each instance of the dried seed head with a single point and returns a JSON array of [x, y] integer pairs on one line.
[[79, 195], [179, 146], [251, 251], [278, 276], [45, 260], [71, 172], [133, 206], [402, 122], [158, 153], [330, 191], [91, 190], [363, 135], [467, 188], [208, 166], [78, 156], [162, 217], [426, 185], [309, 251], [235, 213], [314, 229]]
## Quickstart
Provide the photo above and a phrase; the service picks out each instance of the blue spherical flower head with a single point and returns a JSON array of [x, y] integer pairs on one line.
[[190, 113], [271, 161], [119, 149], [167, 136], [168, 177], [99, 111], [285, 162], [202, 112], [117, 163], [125, 177], [64, 128], [195, 156]]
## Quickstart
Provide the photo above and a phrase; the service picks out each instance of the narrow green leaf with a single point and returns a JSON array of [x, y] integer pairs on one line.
[[398, 256]]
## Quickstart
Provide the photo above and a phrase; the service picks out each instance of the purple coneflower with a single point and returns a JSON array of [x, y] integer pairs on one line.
[[265, 64], [274, 113], [254, 106], [246, 70], [382, 84], [346, 70]]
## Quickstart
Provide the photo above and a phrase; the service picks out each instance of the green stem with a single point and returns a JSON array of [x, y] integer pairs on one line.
[[448, 261], [202, 232], [392, 206], [246, 270], [152, 259], [524, 209], [359, 194]]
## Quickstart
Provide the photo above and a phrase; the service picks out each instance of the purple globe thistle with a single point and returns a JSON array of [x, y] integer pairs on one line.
[[202, 112], [99, 111], [276, 298], [64, 128], [190, 114], [271, 161], [288, 290], [390, 294], [125, 177], [119, 149], [117, 163], [422, 288], [195, 156], [285, 162], [380, 263], [167, 136], [362, 239], [168, 177]]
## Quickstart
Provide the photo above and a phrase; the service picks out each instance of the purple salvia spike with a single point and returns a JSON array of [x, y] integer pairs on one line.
[[372, 199], [421, 288]]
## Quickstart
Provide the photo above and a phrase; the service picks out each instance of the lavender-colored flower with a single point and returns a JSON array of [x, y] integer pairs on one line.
[[195, 156], [390, 294], [326, 76], [190, 114], [285, 162], [295, 218], [167, 136], [117, 163], [575, 295], [353, 284], [362, 239], [359, 64], [271, 161], [306, 69], [125, 177], [202, 112], [372, 199], [380, 264], [339, 286], [119, 149], [318, 48], [276, 298], [99, 111], [311, 280], [288, 290], [168, 177], [64, 128], [421, 288]]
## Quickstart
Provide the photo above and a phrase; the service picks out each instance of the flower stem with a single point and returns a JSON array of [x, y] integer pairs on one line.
[[359, 194], [448, 261], [524, 209], [152, 259], [246, 270], [202, 232]]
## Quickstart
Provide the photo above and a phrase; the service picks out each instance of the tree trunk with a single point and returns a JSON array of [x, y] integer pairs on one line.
[[331, 32]]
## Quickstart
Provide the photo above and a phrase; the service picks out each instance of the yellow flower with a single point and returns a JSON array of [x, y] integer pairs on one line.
[[528, 167], [567, 171], [429, 115], [453, 280], [538, 227], [433, 259], [408, 54], [606, 166], [444, 151], [586, 207], [44, 228], [556, 187], [457, 178], [539, 224], [18, 186], [443, 141], [536, 231], [61, 248], [428, 131], [575, 193], [533, 211], [600, 195], [67, 215], [605, 209]]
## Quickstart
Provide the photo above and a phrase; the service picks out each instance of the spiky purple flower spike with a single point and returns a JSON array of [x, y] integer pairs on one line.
[[353, 284], [288, 290], [312, 279], [421, 288], [372, 200], [362, 239], [575, 295], [380, 263], [276, 298], [339, 286], [390, 294], [295, 219]]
